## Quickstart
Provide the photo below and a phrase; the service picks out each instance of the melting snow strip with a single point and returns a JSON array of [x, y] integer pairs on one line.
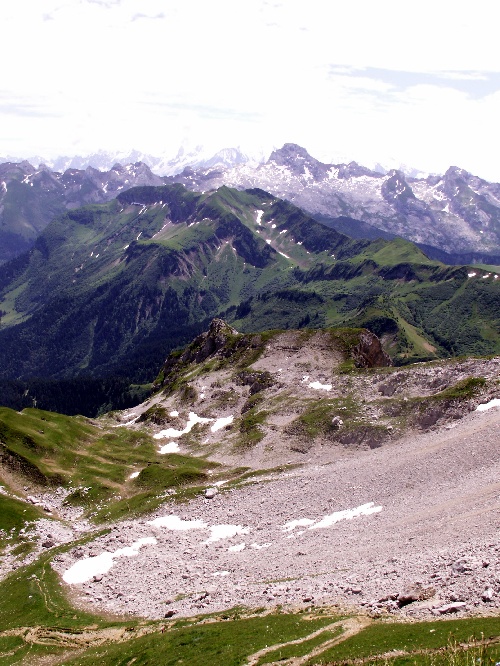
[[193, 419], [488, 405], [85, 569], [173, 522], [124, 425], [221, 423], [329, 520], [316, 385], [171, 447]]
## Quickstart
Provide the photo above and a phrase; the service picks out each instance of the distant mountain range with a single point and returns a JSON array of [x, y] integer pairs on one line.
[[457, 213], [454, 217], [166, 165]]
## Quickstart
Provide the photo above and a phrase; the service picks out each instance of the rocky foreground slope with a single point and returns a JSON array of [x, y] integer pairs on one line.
[[365, 486]]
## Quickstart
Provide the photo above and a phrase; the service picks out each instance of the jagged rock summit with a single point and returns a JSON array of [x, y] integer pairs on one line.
[[453, 213]]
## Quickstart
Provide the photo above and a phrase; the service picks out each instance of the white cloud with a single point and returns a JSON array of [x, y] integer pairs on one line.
[[359, 80]]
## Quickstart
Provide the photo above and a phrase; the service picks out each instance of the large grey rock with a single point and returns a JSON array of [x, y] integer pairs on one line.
[[450, 608], [415, 592]]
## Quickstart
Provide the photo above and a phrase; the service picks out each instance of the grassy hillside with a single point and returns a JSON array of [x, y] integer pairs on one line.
[[110, 289]]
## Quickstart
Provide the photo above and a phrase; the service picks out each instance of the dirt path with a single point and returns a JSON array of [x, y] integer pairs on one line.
[[350, 627], [76, 641]]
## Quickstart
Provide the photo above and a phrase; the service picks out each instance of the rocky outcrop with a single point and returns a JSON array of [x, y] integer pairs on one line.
[[207, 344], [222, 341], [369, 353]]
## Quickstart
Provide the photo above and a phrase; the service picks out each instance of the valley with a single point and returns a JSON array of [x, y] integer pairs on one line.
[[109, 289], [272, 431], [294, 472]]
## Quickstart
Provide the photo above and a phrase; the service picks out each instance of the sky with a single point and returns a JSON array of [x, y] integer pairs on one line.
[[381, 81]]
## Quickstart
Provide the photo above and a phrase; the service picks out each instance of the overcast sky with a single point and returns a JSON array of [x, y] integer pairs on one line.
[[367, 80]]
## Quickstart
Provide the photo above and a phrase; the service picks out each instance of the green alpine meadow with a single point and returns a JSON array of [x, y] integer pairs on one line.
[[109, 289]]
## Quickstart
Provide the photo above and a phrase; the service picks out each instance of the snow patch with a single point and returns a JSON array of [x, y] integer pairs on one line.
[[84, 570], [236, 549], [171, 447], [173, 522], [349, 514], [488, 405], [222, 423], [319, 386], [219, 532]]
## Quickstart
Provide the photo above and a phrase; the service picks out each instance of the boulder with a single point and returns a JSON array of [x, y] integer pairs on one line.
[[415, 592], [450, 608]]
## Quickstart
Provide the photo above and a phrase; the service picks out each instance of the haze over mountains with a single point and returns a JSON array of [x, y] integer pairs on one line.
[[454, 217]]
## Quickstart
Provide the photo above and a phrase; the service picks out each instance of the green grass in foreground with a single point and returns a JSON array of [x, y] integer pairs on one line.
[[381, 638], [32, 597], [223, 643], [14, 515], [300, 649]]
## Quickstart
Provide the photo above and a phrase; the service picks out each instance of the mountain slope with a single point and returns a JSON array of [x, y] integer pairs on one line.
[[107, 289], [295, 455], [30, 198], [456, 212]]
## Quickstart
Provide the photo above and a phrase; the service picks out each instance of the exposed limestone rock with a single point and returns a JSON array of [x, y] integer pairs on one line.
[[450, 608], [415, 592], [369, 353]]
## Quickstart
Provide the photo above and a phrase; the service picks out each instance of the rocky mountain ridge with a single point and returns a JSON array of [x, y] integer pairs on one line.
[[454, 217], [456, 212], [31, 197]]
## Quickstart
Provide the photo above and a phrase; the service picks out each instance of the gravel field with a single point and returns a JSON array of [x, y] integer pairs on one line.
[[409, 528]]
